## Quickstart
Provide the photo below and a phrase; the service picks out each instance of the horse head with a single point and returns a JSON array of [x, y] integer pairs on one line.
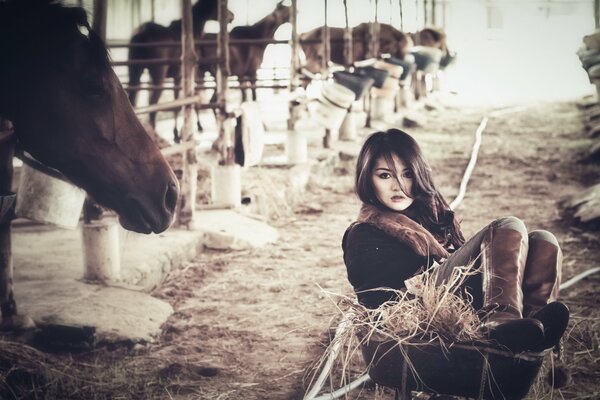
[[281, 14], [70, 112], [393, 41], [204, 10]]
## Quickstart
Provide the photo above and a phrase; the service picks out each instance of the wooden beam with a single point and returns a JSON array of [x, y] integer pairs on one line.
[[348, 56], [294, 64], [326, 44], [99, 18], [7, 303], [189, 174], [225, 137]]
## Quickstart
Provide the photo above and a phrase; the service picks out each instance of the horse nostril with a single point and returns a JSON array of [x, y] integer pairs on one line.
[[171, 196]]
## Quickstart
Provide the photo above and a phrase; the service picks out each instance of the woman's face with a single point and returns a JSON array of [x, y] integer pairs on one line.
[[387, 189]]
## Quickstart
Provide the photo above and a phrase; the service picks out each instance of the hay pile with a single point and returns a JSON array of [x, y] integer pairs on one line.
[[27, 373], [426, 312]]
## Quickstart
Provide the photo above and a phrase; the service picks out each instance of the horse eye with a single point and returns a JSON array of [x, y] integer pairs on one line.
[[93, 89]]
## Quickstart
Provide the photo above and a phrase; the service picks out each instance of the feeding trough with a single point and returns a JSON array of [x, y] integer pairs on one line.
[[427, 58], [408, 65], [359, 84], [332, 105], [379, 75], [473, 371], [391, 84], [48, 199]]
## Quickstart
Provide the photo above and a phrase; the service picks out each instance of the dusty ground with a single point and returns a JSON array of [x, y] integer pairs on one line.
[[249, 324]]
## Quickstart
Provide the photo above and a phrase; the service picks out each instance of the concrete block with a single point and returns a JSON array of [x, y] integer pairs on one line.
[[228, 229]]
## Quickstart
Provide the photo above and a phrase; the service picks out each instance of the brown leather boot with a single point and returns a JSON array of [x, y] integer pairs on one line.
[[542, 276], [541, 284], [504, 254]]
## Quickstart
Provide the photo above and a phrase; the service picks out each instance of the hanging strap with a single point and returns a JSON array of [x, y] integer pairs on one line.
[[484, 376], [38, 166]]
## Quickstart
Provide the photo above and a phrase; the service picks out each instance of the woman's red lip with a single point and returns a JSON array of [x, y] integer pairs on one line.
[[397, 198]]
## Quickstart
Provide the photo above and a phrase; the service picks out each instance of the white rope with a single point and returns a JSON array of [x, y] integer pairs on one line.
[[578, 277], [478, 134], [335, 349], [344, 389], [471, 166]]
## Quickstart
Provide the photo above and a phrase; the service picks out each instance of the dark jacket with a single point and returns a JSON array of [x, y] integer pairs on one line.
[[375, 259]]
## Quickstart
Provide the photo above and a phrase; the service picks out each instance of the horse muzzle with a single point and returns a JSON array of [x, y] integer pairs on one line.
[[144, 216]]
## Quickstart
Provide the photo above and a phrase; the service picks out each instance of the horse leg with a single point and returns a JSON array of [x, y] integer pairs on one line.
[[253, 87], [157, 76], [8, 306], [135, 73]]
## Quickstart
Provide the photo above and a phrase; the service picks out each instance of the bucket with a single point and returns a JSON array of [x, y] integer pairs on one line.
[[379, 75], [46, 199], [392, 82], [332, 105], [359, 84], [407, 64], [226, 185], [101, 256]]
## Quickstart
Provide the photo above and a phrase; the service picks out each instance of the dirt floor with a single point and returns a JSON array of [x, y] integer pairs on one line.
[[249, 324]]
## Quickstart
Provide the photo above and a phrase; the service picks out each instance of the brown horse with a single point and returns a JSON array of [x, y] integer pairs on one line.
[[245, 59], [70, 112], [202, 11], [391, 41]]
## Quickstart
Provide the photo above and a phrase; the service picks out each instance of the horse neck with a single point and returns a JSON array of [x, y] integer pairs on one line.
[[267, 26]]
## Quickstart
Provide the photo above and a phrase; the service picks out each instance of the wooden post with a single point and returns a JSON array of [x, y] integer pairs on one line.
[[294, 63], [597, 13], [327, 139], [401, 17], [189, 61], [7, 302], [326, 46], [444, 13], [227, 151], [425, 13], [348, 56], [373, 35], [99, 20], [433, 12]]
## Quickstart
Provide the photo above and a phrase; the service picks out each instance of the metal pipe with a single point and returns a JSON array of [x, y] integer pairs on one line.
[[206, 42], [170, 105]]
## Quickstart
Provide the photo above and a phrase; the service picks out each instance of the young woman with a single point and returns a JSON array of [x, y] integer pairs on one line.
[[405, 224]]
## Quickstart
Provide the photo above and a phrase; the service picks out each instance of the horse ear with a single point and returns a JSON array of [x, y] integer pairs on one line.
[[79, 15]]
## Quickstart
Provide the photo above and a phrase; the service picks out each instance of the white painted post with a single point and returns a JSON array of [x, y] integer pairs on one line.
[[101, 256]]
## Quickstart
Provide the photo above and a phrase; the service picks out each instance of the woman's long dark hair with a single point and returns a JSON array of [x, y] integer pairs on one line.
[[429, 207]]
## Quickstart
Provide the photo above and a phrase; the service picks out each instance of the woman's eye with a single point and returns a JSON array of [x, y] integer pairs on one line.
[[385, 175], [407, 175]]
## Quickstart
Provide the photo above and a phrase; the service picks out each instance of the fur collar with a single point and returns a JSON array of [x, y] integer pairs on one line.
[[403, 229]]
